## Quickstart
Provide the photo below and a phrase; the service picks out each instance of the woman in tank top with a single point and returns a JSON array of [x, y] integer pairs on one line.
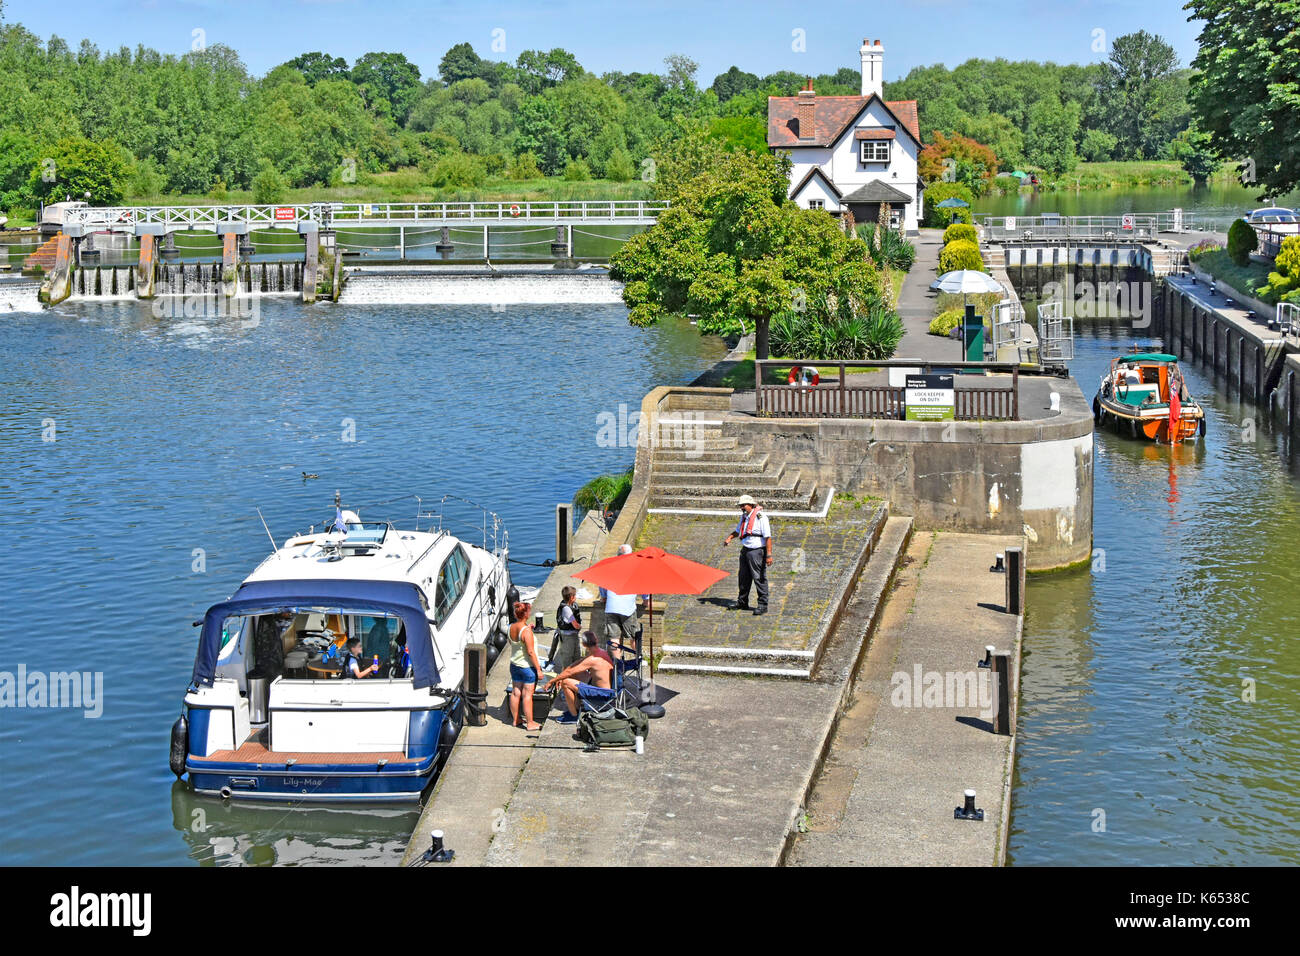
[[524, 667]]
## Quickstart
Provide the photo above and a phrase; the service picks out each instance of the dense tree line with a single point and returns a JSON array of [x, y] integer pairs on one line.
[[1133, 106], [142, 123]]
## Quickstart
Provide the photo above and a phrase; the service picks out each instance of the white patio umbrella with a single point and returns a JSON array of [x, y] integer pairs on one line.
[[967, 282]]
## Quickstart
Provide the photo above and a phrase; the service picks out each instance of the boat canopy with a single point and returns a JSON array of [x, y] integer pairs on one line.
[[1163, 357], [399, 598]]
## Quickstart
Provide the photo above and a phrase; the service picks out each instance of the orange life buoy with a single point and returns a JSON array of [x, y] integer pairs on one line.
[[514, 209], [802, 375]]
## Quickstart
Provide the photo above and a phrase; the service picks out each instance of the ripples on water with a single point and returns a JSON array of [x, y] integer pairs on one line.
[[1133, 680], [169, 432]]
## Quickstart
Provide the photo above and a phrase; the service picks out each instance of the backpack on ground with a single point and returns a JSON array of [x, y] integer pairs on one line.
[[618, 728]]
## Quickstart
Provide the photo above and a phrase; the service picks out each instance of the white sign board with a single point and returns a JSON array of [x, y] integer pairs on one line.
[[1126, 221], [1010, 224]]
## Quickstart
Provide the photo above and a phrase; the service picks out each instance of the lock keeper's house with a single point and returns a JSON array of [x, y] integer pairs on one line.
[[852, 153]]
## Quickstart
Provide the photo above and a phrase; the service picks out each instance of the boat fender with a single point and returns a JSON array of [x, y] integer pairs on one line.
[[180, 745], [450, 724], [1202, 427], [1096, 411]]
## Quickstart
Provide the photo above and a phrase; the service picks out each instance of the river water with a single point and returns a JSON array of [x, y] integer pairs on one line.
[[1213, 207], [1157, 722], [1159, 685], [167, 433]]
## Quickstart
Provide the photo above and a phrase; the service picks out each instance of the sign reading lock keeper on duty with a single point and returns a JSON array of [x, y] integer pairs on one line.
[[930, 398]]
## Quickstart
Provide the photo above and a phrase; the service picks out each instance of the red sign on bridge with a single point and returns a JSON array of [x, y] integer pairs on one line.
[[284, 214]]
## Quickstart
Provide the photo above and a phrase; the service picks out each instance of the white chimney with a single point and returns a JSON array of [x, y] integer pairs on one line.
[[873, 68]]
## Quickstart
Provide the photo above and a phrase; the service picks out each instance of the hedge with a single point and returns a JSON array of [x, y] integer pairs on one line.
[[945, 322], [1242, 241], [936, 193], [960, 254], [960, 230]]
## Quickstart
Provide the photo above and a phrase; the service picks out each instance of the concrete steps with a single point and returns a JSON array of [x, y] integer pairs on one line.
[[870, 587], [43, 255]]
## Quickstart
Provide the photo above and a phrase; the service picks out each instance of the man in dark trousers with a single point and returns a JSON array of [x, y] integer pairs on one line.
[[755, 534]]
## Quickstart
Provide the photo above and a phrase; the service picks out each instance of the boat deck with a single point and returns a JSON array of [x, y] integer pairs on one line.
[[254, 750]]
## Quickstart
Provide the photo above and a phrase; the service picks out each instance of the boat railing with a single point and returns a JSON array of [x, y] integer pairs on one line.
[[487, 524]]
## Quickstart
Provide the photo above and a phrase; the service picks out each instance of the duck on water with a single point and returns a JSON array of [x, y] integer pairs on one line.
[[1144, 394], [268, 714]]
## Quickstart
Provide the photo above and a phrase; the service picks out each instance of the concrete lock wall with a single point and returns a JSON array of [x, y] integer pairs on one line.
[[1029, 477], [1237, 351]]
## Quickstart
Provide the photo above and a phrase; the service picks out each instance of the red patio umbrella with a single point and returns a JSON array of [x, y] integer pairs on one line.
[[652, 571]]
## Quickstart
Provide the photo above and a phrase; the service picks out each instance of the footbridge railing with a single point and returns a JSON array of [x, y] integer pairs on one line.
[[293, 216], [1134, 227]]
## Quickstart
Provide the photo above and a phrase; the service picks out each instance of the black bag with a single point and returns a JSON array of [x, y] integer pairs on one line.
[[618, 729]]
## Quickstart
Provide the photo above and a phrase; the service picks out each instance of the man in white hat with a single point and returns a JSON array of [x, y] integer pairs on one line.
[[755, 534]]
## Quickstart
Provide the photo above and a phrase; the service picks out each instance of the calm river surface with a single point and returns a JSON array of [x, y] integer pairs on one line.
[[1213, 207], [169, 432], [1135, 744]]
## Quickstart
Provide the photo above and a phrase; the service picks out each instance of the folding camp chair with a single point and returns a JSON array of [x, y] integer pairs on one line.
[[620, 700]]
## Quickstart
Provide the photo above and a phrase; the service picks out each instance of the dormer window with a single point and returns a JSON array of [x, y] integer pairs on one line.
[[874, 150]]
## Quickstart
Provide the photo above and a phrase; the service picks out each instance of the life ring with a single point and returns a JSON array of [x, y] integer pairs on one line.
[[514, 209], [803, 375]]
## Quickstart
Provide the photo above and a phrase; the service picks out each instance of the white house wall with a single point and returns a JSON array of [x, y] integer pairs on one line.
[[816, 188], [840, 164]]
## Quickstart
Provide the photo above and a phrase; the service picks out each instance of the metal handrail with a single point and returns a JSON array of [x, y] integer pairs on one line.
[[289, 215]]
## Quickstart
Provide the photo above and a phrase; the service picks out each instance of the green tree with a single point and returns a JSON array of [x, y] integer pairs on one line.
[[83, 169], [1049, 140], [1140, 92], [460, 63], [619, 167], [269, 186], [1097, 146], [388, 78], [315, 67], [734, 251], [1195, 150], [734, 81], [1246, 92], [18, 157]]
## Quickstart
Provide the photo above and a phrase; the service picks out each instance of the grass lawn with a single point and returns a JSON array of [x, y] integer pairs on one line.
[[1245, 279], [741, 375]]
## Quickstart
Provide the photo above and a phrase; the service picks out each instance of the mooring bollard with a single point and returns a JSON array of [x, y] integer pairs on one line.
[[476, 685], [563, 534], [1001, 692], [1015, 580]]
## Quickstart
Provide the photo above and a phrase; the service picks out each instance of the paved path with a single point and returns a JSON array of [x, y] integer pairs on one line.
[[886, 794], [809, 564], [723, 776], [916, 305]]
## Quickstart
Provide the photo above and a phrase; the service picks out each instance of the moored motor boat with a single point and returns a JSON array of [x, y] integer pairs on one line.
[[268, 714], [1144, 395]]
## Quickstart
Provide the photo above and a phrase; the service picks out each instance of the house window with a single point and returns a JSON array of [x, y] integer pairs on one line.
[[816, 203], [875, 150]]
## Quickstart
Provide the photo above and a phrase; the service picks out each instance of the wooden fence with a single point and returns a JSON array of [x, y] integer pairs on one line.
[[839, 399]]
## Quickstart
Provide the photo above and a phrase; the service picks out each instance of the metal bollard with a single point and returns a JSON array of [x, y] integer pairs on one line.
[[476, 685], [1015, 580], [563, 533], [1001, 677]]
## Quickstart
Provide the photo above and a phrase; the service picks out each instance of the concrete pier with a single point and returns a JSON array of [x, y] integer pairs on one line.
[[900, 761]]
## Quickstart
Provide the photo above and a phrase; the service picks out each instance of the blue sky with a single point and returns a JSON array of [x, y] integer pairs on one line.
[[758, 36]]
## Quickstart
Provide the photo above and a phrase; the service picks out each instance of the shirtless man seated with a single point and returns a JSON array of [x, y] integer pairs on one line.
[[590, 679]]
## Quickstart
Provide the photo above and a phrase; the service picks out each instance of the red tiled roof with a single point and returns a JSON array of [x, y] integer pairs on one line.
[[832, 117], [884, 132]]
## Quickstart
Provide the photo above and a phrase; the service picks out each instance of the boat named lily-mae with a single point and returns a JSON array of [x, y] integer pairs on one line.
[[269, 715], [1144, 395]]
